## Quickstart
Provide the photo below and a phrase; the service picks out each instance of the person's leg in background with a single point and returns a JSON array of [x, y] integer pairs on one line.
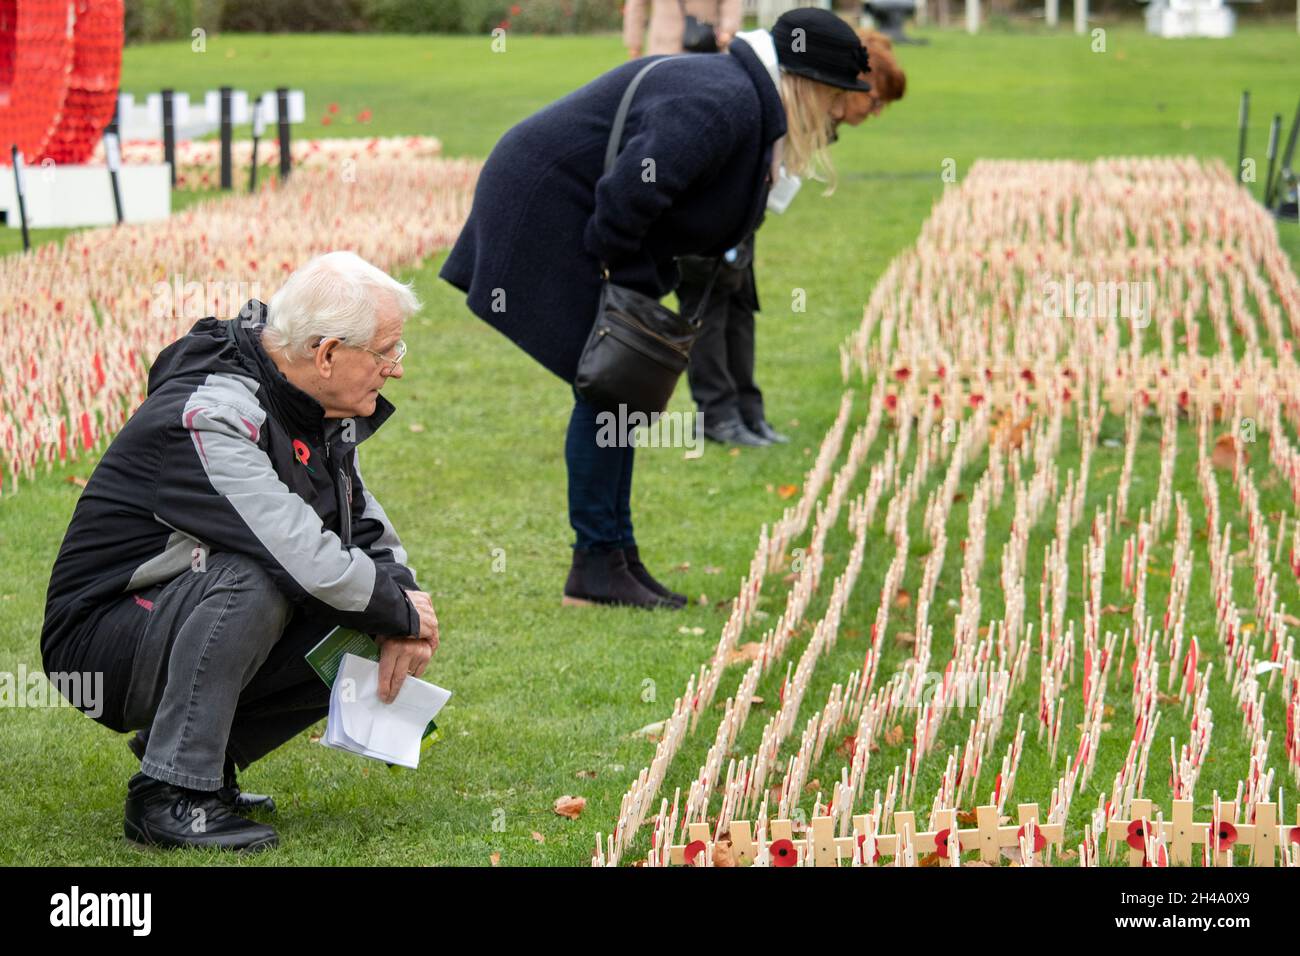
[[740, 365], [712, 387], [600, 488]]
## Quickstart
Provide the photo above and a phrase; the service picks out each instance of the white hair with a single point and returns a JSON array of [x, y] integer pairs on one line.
[[332, 296]]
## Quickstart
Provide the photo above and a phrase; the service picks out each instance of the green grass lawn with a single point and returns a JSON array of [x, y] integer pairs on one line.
[[545, 696]]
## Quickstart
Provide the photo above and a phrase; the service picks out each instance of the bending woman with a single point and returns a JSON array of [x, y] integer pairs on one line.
[[706, 138]]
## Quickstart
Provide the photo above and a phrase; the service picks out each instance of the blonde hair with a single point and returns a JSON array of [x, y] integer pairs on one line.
[[808, 127]]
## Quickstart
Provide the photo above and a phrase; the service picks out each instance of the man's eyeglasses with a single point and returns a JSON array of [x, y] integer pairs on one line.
[[389, 362]]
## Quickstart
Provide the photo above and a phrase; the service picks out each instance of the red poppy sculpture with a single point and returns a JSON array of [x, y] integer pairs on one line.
[[62, 65]]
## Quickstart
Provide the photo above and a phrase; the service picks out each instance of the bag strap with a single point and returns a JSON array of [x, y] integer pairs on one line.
[[695, 320], [620, 119], [624, 106]]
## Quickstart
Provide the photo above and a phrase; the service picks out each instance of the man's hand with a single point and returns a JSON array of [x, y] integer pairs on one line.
[[634, 53], [428, 620], [398, 657], [724, 39]]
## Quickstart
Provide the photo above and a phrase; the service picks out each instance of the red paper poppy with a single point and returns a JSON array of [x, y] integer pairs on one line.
[[1040, 841], [1293, 835], [941, 842], [1226, 837], [1137, 835], [862, 838], [783, 853], [693, 850]]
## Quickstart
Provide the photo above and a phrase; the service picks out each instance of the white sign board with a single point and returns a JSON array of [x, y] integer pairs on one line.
[[297, 107], [75, 196]]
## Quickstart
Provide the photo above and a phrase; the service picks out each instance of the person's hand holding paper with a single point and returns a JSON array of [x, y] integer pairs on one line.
[[400, 655], [359, 722]]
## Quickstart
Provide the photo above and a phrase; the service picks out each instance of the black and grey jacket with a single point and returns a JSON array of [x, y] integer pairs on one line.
[[225, 454]]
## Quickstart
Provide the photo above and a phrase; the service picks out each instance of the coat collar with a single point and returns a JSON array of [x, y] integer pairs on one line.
[[772, 112], [773, 127], [301, 412]]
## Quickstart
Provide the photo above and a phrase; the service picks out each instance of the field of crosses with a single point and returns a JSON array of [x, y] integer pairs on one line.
[[80, 320], [1050, 536]]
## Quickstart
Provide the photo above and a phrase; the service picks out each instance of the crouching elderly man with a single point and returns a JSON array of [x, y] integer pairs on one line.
[[225, 531]]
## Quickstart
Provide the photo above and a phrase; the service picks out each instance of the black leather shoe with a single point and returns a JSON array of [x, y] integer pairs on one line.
[[733, 432], [602, 577], [164, 815], [237, 799], [229, 794], [763, 429], [642, 574]]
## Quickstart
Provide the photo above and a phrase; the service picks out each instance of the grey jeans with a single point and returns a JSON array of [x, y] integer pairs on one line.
[[219, 670]]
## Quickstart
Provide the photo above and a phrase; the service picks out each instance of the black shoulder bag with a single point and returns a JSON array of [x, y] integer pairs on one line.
[[638, 347]]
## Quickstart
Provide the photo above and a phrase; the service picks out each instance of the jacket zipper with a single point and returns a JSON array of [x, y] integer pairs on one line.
[[340, 501]]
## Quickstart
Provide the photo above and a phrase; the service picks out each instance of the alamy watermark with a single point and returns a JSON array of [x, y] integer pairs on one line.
[[133, 911], [196, 300], [624, 429], [1074, 298], [961, 688], [82, 690]]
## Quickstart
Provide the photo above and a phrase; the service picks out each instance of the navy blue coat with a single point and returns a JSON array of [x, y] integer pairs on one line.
[[544, 214]]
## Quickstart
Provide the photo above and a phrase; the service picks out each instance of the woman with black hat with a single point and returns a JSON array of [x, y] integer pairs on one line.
[[705, 140]]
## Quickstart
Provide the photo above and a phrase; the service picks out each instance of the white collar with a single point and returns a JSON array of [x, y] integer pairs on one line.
[[765, 47], [761, 42]]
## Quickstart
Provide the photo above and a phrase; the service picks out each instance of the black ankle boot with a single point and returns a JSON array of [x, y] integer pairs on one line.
[[642, 574], [602, 577], [161, 814]]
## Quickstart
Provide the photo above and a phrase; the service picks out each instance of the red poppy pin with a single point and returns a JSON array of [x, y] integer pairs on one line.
[[302, 454], [693, 850], [1040, 841], [783, 853]]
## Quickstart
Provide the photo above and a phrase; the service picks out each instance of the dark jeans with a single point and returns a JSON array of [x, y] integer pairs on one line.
[[219, 670], [600, 483], [721, 373]]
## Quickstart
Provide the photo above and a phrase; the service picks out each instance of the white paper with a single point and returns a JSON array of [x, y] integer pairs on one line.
[[361, 723]]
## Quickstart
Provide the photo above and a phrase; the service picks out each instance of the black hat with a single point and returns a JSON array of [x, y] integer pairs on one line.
[[815, 43]]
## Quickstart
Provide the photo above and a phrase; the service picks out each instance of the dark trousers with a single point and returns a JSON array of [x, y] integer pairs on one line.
[[721, 373], [218, 670], [600, 483]]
